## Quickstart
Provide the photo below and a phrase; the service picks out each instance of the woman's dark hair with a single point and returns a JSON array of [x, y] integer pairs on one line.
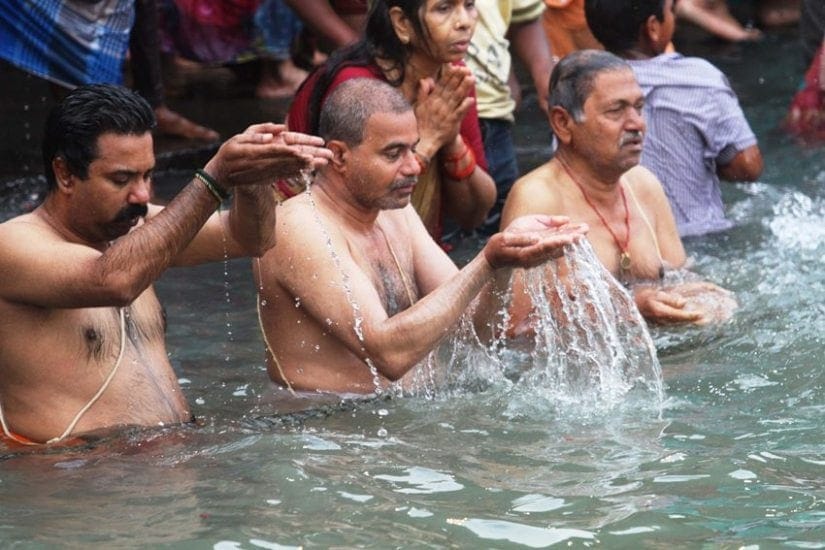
[[379, 41], [617, 23], [87, 112]]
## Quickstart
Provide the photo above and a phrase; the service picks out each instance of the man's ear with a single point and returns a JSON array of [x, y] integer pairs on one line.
[[403, 27], [340, 154], [562, 124], [62, 174], [652, 30]]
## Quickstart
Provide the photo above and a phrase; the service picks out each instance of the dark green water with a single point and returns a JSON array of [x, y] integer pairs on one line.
[[736, 459]]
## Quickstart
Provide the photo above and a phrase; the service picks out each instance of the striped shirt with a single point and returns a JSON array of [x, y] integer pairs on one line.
[[70, 42], [694, 123]]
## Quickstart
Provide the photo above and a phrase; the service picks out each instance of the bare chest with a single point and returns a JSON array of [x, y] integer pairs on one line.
[[390, 268], [52, 339]]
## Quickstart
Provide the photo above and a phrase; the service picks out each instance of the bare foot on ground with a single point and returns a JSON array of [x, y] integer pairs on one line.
[[171, 123], [279, 79]]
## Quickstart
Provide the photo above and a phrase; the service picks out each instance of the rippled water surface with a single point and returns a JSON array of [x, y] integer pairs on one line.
[[735, 456]]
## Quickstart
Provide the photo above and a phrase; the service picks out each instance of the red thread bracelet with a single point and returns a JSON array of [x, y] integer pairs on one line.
[[456, 158], [466, 172]]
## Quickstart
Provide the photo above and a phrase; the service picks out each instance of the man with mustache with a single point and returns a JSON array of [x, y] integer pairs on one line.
[[594, 177], [81, 330], [356, 293]]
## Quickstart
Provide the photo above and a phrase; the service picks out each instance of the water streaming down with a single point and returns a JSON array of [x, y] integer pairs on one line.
[[590, 345], [227, 296], [357, 319]]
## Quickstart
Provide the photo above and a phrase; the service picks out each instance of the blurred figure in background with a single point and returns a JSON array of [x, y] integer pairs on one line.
[[67, 42], [204, 34], [277, 28], [714, 17], [566, 27], [72, 42], [337, 23], [697, 130], [147, 75], [806, 115], [504, 25]]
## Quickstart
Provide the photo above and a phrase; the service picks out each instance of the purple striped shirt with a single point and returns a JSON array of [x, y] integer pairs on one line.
[[694, 123]]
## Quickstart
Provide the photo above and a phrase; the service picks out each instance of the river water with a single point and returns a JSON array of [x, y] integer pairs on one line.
[[734, 455]]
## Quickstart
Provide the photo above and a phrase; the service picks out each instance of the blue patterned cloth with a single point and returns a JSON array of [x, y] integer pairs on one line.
[[277, 27], [71, 42]]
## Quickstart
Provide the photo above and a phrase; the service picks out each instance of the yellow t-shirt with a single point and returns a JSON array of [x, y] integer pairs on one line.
[[489, 53]]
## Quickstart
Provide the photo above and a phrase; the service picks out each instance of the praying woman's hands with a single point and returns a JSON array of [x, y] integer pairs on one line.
[[440, 107], [265, 152]]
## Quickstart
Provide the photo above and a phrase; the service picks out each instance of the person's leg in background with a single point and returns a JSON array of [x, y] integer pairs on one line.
[[502, 164], [277, 28], [147, 76]]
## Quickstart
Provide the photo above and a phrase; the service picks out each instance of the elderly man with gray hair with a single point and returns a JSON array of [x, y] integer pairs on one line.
[[595, 177]]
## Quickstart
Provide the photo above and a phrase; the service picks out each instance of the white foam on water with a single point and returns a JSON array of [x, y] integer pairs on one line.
[[355, 497], [315, 443], [799, 221], [537, 503], [679, 478], [636, 531], [419, 480], [744, 475], [527, 535]]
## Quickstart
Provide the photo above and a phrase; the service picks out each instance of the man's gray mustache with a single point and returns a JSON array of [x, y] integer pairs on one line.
[[628, 137], [404, 182]]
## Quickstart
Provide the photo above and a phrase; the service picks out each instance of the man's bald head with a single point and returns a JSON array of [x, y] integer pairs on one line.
[[352, 103]]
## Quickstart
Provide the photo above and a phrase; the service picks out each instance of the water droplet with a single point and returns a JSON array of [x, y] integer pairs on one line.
[[382, 432], [383, 412]]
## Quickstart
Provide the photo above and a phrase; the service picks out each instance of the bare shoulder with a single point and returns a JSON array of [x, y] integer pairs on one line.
[[25, 231], [535, 192], [303, 231], [648, 190], [647, 187], [405, 219], [644, 184], [299, 221], [292, 211]]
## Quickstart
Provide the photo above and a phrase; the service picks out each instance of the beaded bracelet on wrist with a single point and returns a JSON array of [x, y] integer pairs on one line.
[[212, 186]]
